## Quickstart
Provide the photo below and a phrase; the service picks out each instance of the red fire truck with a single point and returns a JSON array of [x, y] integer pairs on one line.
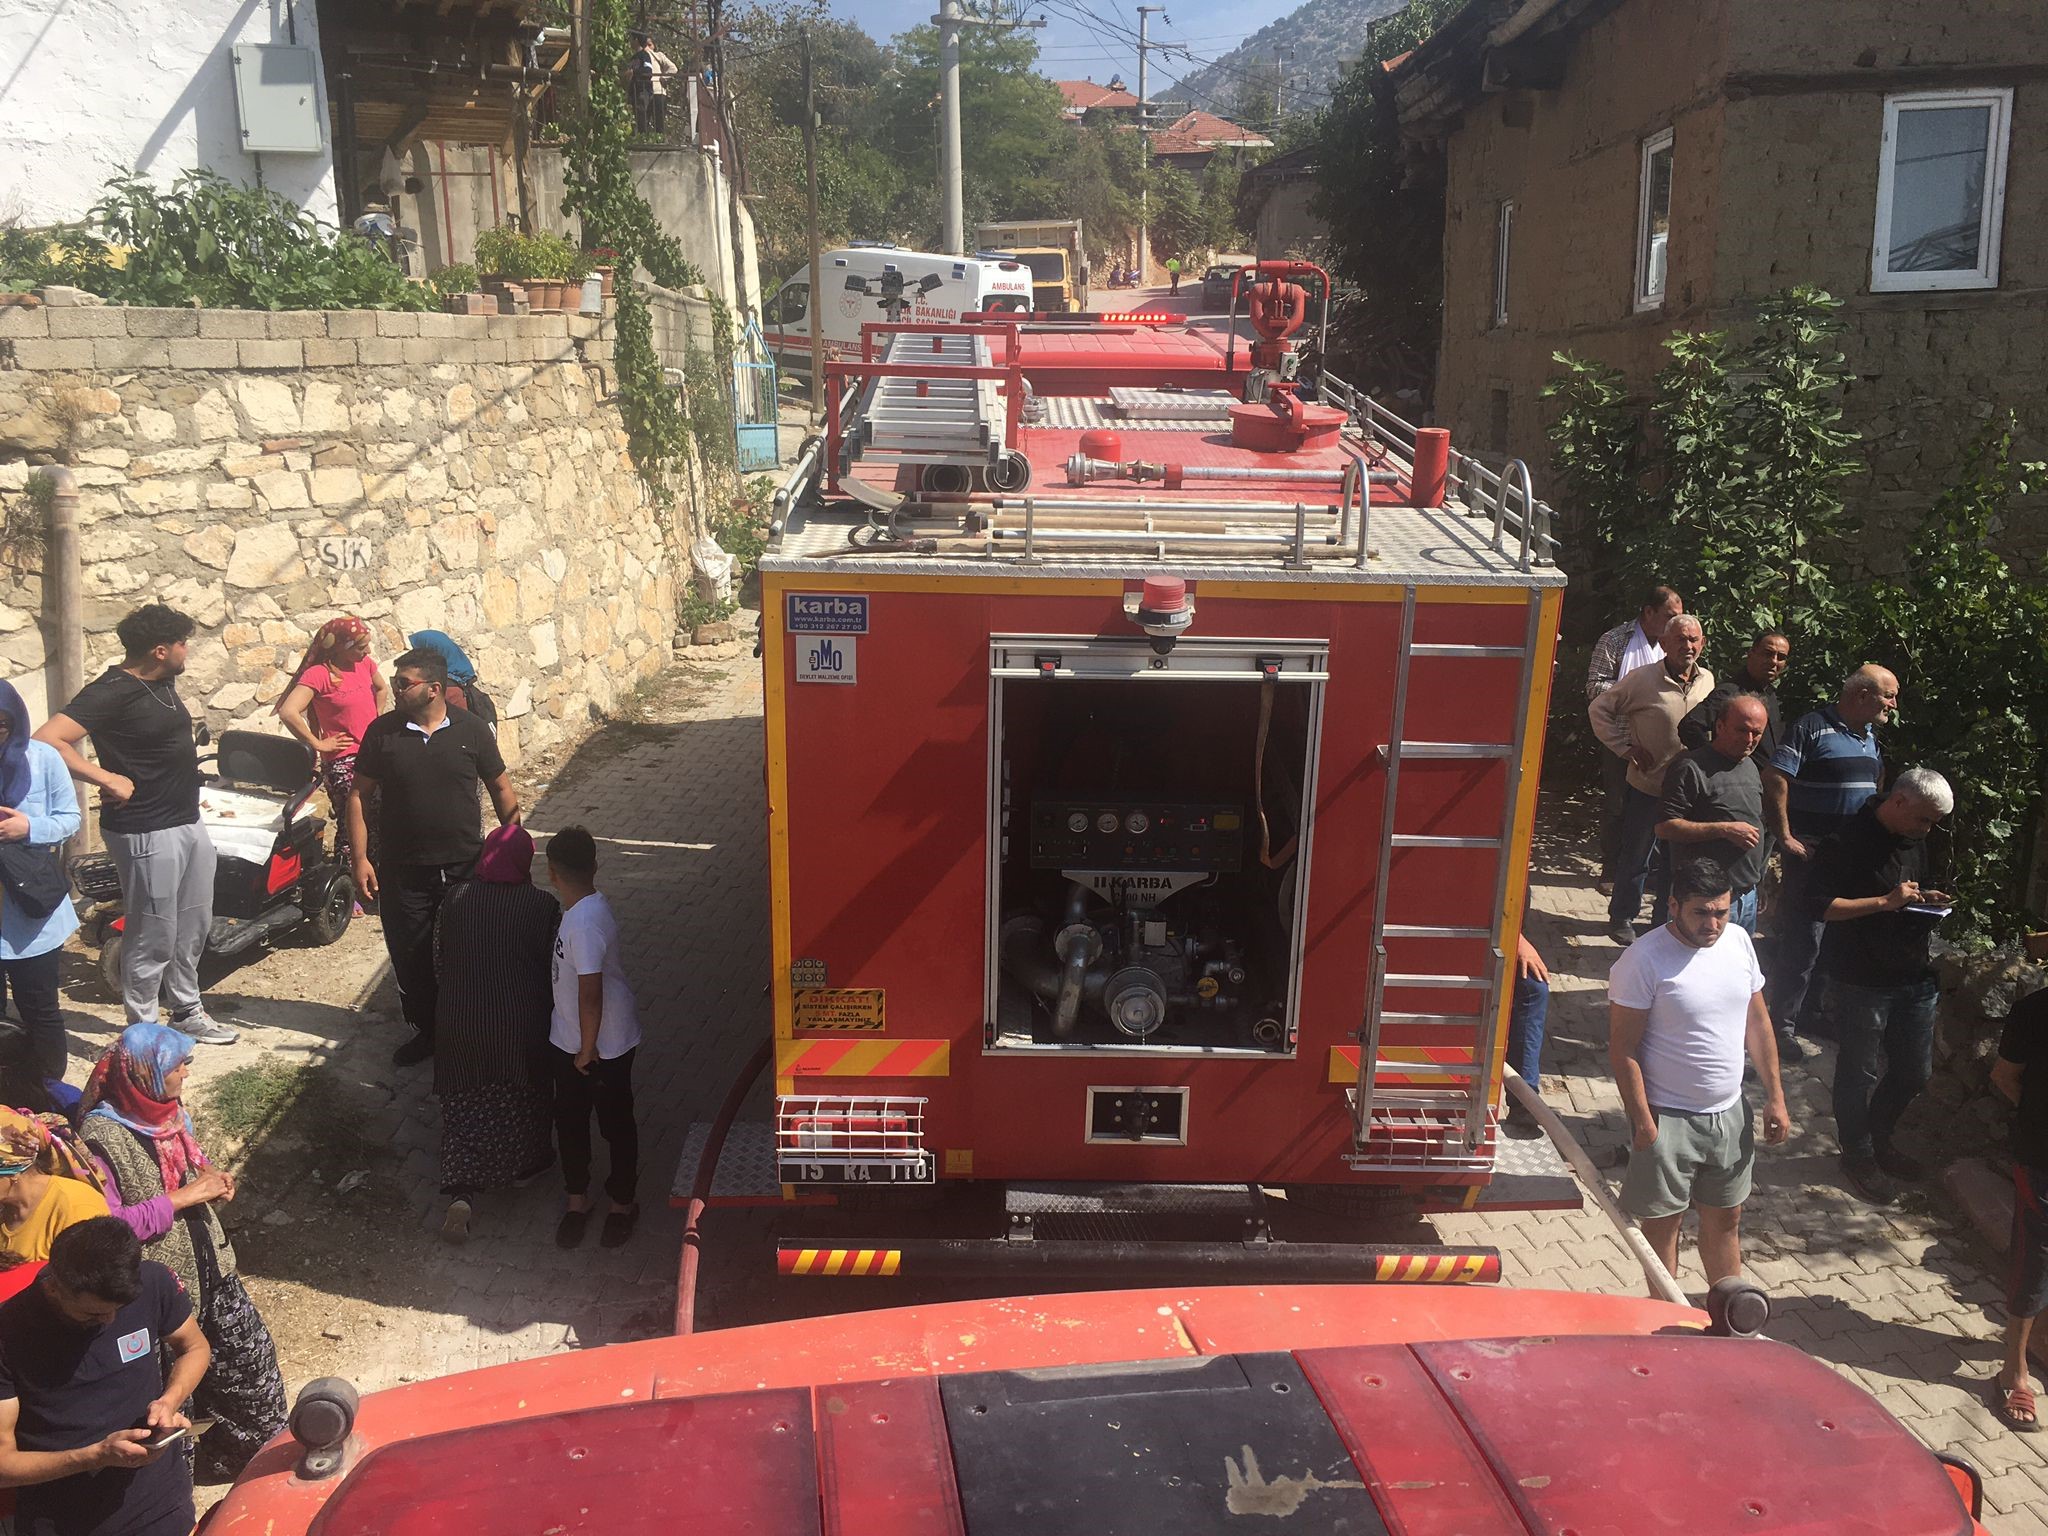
[[1152, 743]]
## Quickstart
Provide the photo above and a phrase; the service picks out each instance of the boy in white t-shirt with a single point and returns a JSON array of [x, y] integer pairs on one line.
[[1684, 1000], [592, 1039]]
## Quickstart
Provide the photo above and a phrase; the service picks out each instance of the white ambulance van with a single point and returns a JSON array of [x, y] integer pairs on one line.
[[860, 281]]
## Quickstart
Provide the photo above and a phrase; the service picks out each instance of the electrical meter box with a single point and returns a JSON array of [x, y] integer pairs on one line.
[[277, 99]]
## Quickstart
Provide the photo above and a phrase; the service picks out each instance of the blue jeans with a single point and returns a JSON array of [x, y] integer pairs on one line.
[[1896, 1022], [1795, 945], [1743, 912], [1634, 855], [1526, 1018]]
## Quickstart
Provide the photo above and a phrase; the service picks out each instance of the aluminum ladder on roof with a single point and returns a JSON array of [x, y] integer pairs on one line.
[[1442, 1124], [932, 419]]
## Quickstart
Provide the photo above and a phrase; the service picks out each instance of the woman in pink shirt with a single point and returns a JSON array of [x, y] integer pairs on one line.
[[345, 692]]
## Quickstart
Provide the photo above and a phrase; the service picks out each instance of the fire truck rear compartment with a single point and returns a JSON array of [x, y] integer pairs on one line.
[[1149, 871]]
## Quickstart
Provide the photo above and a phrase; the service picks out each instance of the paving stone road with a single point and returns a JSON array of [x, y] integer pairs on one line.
[[1896, 1300]]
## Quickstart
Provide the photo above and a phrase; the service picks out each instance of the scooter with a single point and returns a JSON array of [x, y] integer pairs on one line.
[[274, 874]]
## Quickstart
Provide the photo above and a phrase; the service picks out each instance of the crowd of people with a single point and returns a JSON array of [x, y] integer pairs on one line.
[[131, 1355], [1707, 792]]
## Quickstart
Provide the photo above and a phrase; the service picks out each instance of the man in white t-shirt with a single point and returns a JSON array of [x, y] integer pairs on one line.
[[1684, 1001], [592, 1039]]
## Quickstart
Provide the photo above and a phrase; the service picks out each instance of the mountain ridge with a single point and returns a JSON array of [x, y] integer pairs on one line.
[[1319, 38]]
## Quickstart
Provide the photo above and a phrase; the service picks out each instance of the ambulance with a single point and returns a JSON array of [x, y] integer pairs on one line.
[[863, 281]]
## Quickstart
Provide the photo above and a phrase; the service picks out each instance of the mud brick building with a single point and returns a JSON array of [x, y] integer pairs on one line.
[[1620, 169]]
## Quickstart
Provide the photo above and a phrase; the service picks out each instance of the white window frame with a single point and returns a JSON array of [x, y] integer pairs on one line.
[[1654, 145], [1503, 249], [1991, 215]]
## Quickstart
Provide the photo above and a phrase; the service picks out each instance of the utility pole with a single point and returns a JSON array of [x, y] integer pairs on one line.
[[817, 304], [1279, 84], [949, 19], [1144, 138]]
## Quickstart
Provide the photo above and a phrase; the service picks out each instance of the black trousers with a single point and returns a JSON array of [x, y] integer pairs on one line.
[[607, 1089], [34, 984], [409, 898]]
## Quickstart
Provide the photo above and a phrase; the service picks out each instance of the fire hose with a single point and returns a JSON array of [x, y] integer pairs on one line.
[[700, 1186]]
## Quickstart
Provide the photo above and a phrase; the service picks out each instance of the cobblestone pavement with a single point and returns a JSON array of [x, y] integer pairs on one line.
[[1902, 1301]]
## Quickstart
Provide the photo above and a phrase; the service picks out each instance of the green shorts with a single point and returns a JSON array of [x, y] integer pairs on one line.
[[1695, 1160]]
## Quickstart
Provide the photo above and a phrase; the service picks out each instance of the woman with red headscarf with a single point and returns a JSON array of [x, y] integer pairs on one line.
[[339, 682], [494, 951], [135, 1121]]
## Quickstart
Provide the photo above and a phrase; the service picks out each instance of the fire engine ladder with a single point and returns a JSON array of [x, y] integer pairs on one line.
[[933, 419], [1442, 1122]]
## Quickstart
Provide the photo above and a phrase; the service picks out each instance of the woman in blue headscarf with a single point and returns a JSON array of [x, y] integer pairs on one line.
[[167, 1187], [463, 691], [38, 808]]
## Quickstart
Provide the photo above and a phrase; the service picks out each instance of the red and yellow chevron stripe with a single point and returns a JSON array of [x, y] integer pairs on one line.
[[838, 1261], [1344, 1062], [863, 1058], [1438, 1268]]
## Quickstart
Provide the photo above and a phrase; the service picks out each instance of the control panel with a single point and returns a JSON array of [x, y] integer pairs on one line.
[[1136, 834]]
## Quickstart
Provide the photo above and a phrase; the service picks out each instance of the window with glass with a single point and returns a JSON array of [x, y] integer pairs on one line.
[[790, 303], [1503, 240], [1653, 221], [1941, 190]]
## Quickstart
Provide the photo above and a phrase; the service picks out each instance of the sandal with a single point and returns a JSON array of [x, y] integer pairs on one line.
[[570, 1229], [618, 1227], [455, 1225], [2009, 1403]]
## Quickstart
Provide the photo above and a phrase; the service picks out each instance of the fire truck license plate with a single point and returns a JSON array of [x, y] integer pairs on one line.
[[905, 1171]]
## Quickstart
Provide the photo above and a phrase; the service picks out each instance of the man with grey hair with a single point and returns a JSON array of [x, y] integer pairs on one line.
[[1826, 766], [1637, 720], [1630, 644], [1879, 990]]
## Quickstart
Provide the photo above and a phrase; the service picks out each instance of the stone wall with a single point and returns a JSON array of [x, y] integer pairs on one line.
[[264, 472]]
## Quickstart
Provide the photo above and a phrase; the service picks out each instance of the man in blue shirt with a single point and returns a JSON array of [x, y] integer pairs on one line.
[[1826, 766], [83, 1395]]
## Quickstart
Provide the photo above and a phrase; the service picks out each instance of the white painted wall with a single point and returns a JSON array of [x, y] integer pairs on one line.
[[89, 88]]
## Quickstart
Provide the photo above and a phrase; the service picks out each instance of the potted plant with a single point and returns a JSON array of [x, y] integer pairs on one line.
[[605, 262]]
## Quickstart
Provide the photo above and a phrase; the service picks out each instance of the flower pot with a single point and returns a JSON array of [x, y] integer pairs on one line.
[[606, 274], [19, 301], [558, 293]]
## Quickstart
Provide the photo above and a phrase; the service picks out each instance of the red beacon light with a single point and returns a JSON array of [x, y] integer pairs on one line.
[[1162, 609]]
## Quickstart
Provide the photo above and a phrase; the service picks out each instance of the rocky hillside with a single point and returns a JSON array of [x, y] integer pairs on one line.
[[1318, 38]]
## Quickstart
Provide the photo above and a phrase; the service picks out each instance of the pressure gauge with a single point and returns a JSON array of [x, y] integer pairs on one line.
[[1107, 821], [1137, 822], [1077, 821]]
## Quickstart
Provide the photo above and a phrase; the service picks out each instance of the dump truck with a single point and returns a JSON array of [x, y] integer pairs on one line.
[[1052, 249]]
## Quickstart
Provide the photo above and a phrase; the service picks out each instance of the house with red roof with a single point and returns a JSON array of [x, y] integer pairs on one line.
[[1193, 140], [1085, 96]]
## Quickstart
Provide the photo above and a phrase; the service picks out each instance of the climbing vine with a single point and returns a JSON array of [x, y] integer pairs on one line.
[[599, 175]]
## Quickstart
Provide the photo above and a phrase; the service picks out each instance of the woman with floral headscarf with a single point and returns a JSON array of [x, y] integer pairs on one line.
[[494, 947], [135, 1120], [47, 1182], [339, 682]]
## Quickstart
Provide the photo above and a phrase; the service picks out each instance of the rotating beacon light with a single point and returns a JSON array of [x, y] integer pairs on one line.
[[1163, 610]]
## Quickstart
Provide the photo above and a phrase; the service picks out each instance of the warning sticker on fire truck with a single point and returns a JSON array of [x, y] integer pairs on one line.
[[839, 1010]]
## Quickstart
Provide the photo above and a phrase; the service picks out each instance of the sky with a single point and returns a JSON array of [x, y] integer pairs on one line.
[[1094, 39]]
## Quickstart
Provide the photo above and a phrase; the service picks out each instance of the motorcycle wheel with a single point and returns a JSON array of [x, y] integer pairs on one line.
[[330, 920], [110, 964]]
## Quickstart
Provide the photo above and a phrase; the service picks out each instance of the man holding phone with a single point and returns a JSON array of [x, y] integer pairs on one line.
[[86, 1413], [1879, 988]]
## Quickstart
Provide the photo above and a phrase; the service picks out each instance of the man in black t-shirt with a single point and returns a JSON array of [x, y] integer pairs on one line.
[[1879, 988], [82, 1390], [426, 758], [148, 779], [2015, 1074]]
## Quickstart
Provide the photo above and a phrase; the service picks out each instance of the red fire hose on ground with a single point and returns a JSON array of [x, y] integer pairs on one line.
[[700, 1187]]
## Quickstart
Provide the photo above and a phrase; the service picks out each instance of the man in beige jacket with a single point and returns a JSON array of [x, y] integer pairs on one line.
[[1637, 719]]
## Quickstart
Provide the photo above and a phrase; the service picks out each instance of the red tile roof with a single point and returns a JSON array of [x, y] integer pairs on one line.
[[1085, 95], [1200, 132]]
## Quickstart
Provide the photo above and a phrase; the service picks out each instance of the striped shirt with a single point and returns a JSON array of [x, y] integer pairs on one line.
[[1833, 767]]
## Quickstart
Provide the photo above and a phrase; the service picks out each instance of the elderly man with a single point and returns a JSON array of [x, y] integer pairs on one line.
[[1822, 772], [1637, 720], [1630, 644], [1714, 806], [1769, 654], [1879, 988], [1684, 1003]]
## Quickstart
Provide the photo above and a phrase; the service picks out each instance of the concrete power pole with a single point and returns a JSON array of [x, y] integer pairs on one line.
[[1279, 84], [949, 19], [1144, 139], [817, 305]]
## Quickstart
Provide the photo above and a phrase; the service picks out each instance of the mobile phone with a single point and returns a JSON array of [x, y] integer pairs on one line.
[[165, 1437]]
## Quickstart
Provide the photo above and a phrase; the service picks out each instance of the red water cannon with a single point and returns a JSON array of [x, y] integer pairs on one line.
[[1277, 302]]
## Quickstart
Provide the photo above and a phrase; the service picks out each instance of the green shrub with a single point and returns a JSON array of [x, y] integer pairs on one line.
[[459, 278], [207, 241]]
